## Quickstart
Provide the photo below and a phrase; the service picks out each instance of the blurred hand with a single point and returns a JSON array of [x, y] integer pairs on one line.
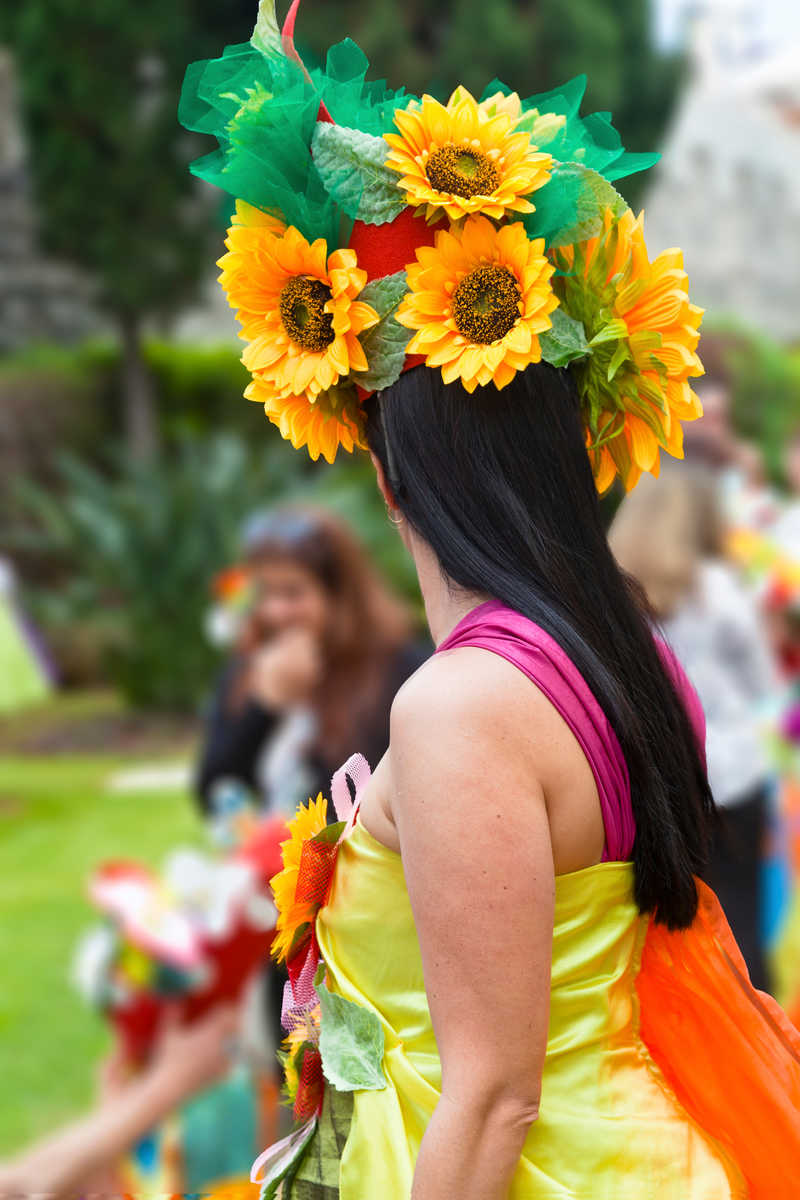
[[286, 670], [113, 1074], [189, 1058]]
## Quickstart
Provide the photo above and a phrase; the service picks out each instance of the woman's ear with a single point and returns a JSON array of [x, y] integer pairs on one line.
[[383, 484]]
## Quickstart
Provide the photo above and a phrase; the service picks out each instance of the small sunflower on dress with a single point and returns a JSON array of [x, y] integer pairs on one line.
[[642, 332], [296, 903], [478, 300], [460, 158]]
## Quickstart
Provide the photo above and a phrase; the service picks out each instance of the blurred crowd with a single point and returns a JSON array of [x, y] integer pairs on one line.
[[716, 551]]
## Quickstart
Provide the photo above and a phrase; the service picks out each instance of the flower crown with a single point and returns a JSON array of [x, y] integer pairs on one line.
[[375, 230]]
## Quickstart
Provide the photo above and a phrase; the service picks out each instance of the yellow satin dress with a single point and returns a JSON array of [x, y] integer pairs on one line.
[[610, 1128]]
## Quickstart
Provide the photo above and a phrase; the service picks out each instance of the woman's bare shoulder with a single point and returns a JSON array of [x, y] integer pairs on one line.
[[468, 687]]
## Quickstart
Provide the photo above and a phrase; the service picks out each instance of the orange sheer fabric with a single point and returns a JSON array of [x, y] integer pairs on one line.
[[728, 1052]]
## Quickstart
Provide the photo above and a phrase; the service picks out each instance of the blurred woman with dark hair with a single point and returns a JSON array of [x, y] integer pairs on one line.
[[321, 652]]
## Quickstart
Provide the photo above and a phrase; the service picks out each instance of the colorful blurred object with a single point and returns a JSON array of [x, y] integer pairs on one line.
[[192, 939], [25, 675], [233, 595]]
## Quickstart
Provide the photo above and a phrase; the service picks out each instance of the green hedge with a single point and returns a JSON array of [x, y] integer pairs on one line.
[[198, 388], [765, 388]]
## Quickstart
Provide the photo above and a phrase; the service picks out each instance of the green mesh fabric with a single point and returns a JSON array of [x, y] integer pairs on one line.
[[317, 1177], [591, 140], [262, 109], [351, 99], [262, 112]]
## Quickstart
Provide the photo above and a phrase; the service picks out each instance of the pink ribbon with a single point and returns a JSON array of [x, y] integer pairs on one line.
[[356, 768], [276, 1158], [300, 999]]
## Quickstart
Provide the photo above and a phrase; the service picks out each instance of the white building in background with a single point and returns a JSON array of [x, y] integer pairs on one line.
[[727, 189]]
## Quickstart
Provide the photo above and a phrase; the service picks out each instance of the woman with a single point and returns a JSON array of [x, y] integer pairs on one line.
[[504, 979], [669, 535], [320, 655]]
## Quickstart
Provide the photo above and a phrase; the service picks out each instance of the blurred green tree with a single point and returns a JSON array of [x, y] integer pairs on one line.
[[113, 194]]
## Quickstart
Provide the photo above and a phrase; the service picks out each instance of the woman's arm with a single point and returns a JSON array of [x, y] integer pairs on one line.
[[60, 1166], [475, 843], [234, 738]]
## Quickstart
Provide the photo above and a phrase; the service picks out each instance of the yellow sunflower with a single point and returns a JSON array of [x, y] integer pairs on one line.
[[541, 127], [246, 216], [322, 424], [644, 331], [478, 299], [294, 1040], [298, 306], [310, 820], [461, 158]]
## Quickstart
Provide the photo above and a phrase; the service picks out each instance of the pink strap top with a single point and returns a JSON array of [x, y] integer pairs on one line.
[[492, 626]]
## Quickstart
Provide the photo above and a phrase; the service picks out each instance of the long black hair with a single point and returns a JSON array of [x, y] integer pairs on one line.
[[499, 484]]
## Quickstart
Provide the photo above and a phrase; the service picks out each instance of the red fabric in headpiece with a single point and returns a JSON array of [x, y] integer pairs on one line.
[[385, 249]]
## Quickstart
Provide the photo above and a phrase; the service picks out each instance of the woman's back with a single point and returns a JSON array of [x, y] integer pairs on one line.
[[607, 1114], [488, 658]]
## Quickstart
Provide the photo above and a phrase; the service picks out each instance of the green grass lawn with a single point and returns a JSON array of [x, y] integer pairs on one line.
[[58, 819]]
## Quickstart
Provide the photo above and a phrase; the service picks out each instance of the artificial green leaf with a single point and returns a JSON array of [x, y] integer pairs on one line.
[[350, 1042], [331, 833], [385, 343], [610, 332], [620, 355], [284, 1158], [300, 936], [385, 294], [267, 35], [594, 195], [565, 341], [352, 167]]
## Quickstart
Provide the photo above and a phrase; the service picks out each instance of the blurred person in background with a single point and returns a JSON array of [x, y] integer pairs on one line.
[[785, 532], [26, 675], [321, 652], [670, 536], [745, 495], [712, 441], [85, 1156]]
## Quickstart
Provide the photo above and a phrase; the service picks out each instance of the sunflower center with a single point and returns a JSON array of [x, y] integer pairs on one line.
[[302, 308], [462, 171], [485, 304]]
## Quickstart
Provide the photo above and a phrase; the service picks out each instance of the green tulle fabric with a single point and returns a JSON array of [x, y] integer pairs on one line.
[[592, 143], [263, 108]]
